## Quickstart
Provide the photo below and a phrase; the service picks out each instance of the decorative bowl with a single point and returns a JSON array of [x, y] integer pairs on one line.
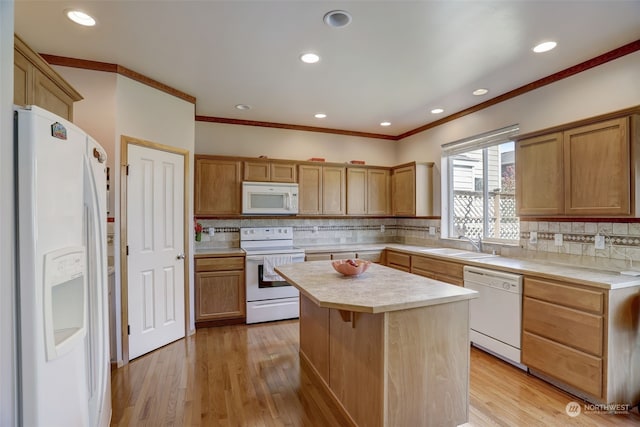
[[350, 267]]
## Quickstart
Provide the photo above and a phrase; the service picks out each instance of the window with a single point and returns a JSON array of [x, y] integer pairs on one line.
[[480, 185]]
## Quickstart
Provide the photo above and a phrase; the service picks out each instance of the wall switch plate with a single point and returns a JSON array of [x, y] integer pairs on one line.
[[533, 237], [599, 241], [432, 231], [315, 228], [382, 228], [557, 239]]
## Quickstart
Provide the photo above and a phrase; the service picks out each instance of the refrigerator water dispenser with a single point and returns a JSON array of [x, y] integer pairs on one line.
[[65, 300]]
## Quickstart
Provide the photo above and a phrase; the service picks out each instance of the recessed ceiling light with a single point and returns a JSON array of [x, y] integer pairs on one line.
[[337, 18], [544, 47], [243, 107], [309, 58], [385, 123], [437, 111], [481, 91], [80, 17], [320, 115]]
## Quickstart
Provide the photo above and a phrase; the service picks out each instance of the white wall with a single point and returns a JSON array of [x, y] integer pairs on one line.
[[96, 113], [146, 113], [609, 87], [251, 141], [7, 242]]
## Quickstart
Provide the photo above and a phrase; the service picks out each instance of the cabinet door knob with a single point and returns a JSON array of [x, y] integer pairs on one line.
[[180, 256]]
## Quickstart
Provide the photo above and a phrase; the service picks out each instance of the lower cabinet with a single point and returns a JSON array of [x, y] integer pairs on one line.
[[583, 338], [444, 271], [373, 256], [219, 290], [398, 260]]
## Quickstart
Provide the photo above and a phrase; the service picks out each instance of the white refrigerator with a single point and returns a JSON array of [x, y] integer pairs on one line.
[[62, 319]]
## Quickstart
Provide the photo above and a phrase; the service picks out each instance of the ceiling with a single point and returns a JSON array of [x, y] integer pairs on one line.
[[396, 60]]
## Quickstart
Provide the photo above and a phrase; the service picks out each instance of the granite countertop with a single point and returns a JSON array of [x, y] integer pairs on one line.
[[606, 279], [581, 275], [377, 290]]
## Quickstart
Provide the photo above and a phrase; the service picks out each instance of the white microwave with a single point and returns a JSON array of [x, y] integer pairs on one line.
[[269, 198]]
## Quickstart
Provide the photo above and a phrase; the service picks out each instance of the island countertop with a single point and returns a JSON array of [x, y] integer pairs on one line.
[[379, 289]]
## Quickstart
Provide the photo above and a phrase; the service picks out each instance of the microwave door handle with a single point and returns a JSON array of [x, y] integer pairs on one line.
[[288, 201]]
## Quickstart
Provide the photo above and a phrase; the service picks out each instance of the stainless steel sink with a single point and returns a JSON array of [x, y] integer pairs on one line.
[[473, 255]]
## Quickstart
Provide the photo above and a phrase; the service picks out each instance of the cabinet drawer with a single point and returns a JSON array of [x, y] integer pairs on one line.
[[436, 266], [458, 281], [343, 255], [373, 256], [398, 260], [317, 257], [583, 299], [577, 329], [219, 264], [570, 366]]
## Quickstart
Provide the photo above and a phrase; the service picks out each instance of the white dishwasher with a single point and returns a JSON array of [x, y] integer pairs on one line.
[[495, 317]]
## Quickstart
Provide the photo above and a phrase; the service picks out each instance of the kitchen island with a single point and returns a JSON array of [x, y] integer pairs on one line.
[[390, 348]]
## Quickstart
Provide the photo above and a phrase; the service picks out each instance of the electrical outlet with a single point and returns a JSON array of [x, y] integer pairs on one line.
[[315, 228], [432, 231], [533, 237], [557, 239], [382, 228], [599, 241]]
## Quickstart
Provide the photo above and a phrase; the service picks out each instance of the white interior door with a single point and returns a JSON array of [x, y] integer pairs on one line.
[[155, 210]]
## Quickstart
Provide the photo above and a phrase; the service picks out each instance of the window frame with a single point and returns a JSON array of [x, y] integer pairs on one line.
[[477, 142]]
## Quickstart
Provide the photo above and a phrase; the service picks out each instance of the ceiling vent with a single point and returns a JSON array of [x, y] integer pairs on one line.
[[337, 18]]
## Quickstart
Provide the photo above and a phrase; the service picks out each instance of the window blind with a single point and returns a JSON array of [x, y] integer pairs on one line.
[[477, 142]]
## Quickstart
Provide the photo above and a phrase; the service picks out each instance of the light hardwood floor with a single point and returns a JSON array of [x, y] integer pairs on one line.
[[249, 375]]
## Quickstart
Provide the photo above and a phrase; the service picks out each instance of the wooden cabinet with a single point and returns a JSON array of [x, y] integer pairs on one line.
[[564, 333], [270, 171], [368, 191], [539, 176], [444, 271], [36, 83], [369, 255], [592, 153], [218, 186], [412, 189], [322, 190], [562, 173], [398, 260], [219, 290]]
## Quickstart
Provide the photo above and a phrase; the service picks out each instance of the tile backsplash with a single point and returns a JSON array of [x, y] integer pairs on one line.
[[622, 240]]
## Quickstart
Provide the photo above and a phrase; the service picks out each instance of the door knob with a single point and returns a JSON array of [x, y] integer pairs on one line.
[[180, 256]]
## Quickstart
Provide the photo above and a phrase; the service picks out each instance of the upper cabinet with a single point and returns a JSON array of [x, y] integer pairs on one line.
[[36, 83], [539, 161], [368, 191], [322, 190], [597, 169], [270, 171], [217, 186], [412, 189], [582, 171]]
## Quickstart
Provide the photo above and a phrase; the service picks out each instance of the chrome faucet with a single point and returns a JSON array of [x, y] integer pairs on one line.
[[477, 245]]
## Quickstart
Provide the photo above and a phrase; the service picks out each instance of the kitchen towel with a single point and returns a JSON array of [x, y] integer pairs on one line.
[[272, 261]]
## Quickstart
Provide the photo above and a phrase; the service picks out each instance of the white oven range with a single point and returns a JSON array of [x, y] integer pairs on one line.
[[269, 297]]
